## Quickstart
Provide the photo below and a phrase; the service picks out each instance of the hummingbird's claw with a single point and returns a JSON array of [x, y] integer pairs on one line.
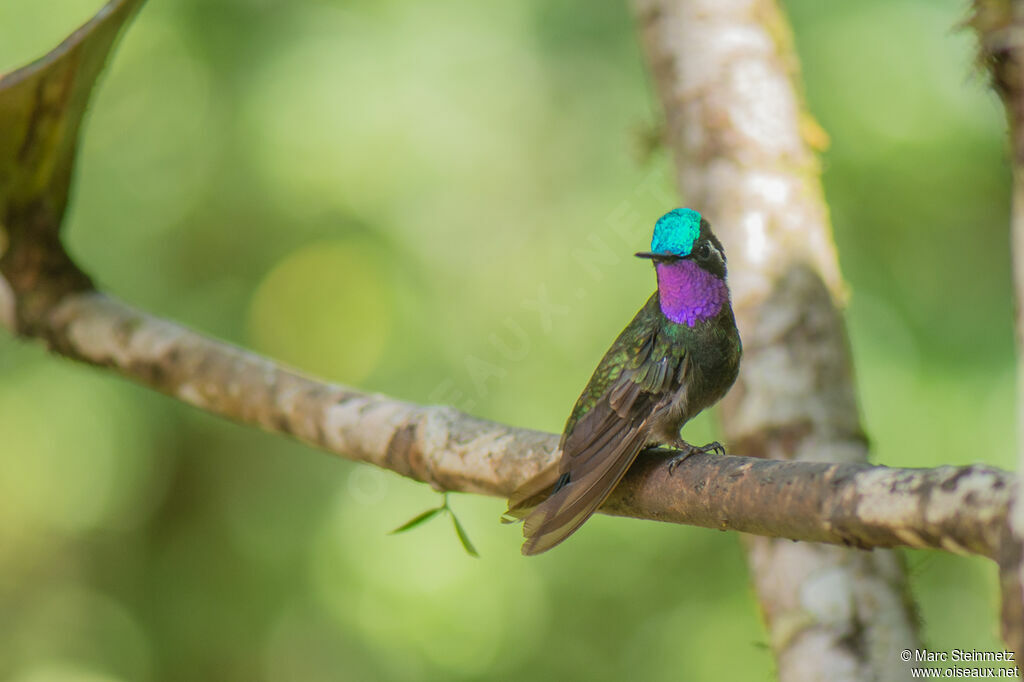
[[714, 447], [685, 450], [676, 461]]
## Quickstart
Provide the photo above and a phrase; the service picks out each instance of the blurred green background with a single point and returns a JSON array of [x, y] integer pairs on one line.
[[379, 193]]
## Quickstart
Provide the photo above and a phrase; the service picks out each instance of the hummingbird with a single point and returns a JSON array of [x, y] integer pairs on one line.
[[679, 355]]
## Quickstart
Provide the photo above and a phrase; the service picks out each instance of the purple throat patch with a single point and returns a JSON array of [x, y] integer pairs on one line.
[[689, 294]]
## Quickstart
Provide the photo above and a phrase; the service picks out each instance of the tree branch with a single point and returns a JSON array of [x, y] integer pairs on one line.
[[958, 509], [728, 78], [1000, 28]]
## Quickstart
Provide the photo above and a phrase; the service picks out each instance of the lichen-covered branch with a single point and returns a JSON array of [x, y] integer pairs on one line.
[[958, 509], [727, 75], [1000, 28]]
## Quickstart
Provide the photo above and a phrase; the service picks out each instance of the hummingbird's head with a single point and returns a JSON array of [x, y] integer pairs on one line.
[[682, 234]]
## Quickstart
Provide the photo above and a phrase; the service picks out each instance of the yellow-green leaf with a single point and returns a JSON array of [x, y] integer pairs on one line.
[[41, 110]]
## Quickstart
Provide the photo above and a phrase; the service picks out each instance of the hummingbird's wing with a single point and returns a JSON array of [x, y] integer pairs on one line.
[[607, 429]]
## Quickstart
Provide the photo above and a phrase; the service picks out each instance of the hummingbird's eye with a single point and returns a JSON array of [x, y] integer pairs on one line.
[[703, 251]]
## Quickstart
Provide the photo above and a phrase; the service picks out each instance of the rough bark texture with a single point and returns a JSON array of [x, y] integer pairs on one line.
[[958, 509], [1000, 27], [727, 75]]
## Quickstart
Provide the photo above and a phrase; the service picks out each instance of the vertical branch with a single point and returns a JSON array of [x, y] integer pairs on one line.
[[1000, 28], [727, 76]]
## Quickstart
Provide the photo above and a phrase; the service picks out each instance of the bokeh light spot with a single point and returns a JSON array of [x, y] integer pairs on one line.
[[326, 309], [74, 454]]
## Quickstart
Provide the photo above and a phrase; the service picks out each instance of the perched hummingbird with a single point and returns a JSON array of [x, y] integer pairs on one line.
[[680, 354]]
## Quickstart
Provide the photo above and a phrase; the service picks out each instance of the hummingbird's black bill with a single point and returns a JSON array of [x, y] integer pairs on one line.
[[665, 257]]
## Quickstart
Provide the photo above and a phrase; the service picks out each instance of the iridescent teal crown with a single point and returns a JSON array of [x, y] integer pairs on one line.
[[676, 231]]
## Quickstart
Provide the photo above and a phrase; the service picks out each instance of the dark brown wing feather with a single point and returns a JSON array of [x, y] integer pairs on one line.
[[532, 493], [633, 380], [593, 477]]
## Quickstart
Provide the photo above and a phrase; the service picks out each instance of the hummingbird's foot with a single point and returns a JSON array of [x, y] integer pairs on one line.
[[685, 450]]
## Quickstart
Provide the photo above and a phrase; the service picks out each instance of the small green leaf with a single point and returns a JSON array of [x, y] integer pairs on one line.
[[417, 520], [463, 538]]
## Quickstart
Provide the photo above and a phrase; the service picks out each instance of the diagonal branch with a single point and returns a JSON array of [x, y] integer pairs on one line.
[[728, 79], [1000, 28]]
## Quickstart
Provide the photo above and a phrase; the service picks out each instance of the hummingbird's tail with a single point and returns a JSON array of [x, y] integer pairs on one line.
[[571, 502], [530, 494]]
